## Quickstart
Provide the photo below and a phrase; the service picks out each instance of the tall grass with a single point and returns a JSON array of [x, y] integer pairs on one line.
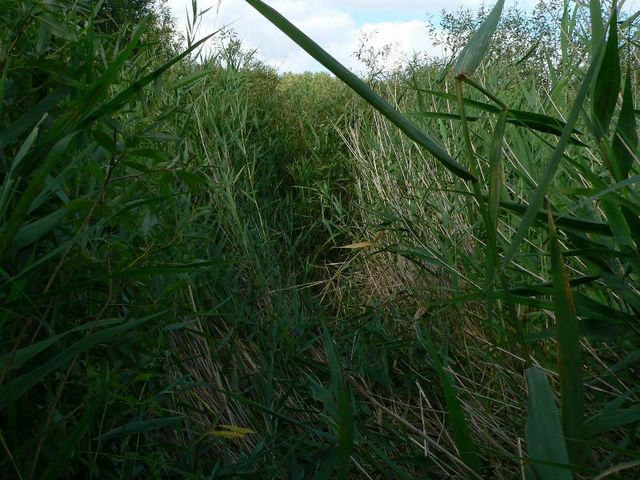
[[211, 270], [595, 274]]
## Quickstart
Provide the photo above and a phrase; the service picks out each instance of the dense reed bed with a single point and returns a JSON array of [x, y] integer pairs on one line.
[[209, 269]]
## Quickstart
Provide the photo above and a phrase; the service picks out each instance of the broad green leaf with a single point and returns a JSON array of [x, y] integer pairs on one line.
[[25, 354], [625, 139], [128, 93], [487, 107], [629, 21], [495, 170], [580, 224], [70, 122], [189, 80], [105, 141], [617, 221], [607, 83], [495, 189], [597, 25], [569, 358], [528, 54], [533, 121], [26, 145], [15, 221], [443, 115], [31, 117], [477, 47], [139, 426], [610, 419], [3, 81], [57, 27], [633, 222], [541, 123], [27, 381], [546, 447], [461, 432], [362, 89], [593, 328], [66, 450], [565, 36], [344, 420], [538, 195], [31, 232]]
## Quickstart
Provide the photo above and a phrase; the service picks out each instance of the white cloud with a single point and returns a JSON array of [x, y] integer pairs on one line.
[[337, 25], [403, 38]]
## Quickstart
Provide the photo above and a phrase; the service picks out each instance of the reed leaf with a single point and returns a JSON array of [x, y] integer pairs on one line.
[[546, 447], [538, 195], [607, 83], [461, 433], [569, 358], [625, 139], [477, 47], [344, 420]]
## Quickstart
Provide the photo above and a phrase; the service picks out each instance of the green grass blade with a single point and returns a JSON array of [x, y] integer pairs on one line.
[[625, 140], [21, 209], [607, 84], [629, 21], [575, 223], [84, 104], [540, 122], [3, 81], [31, 232], [545, 439], [597, 25], [25, 354], [611, 419], [617, 221], [124, 96], [495, 170], [444, 115], [344, 419], [534, 121], [139, 426], [487, 107], [633, 221], [537, 198], [495, 188], [461, 432], [569, 358], [473, 52], [30, 118], [25, 382], [616, 469], [67, 449], [362, 89]]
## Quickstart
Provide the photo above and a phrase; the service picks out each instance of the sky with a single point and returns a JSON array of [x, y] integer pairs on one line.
[[337, 25]]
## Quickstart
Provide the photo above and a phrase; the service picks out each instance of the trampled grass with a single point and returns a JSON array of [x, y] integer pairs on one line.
[[212, 270]]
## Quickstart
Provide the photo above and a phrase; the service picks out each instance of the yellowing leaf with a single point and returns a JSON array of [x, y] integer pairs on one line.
[[365, 244], [230, 432], [355, 246]]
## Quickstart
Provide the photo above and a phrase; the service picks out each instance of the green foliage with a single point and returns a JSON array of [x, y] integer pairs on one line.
[[545, 439], [477, 47], [209, 269], [534, 182]]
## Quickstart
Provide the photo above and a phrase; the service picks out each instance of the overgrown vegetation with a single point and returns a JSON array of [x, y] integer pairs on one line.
[[212, 270]]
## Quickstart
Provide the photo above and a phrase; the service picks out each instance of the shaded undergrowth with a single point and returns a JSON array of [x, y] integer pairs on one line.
[[210, 270]]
